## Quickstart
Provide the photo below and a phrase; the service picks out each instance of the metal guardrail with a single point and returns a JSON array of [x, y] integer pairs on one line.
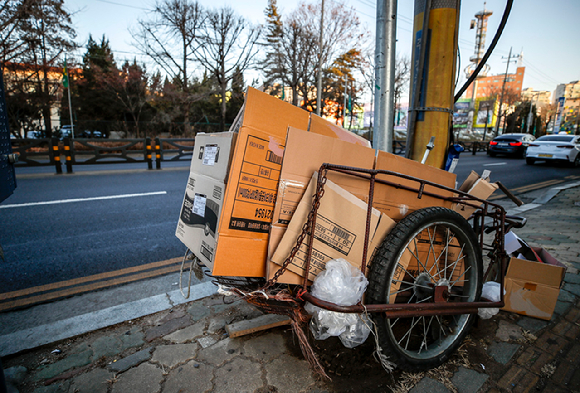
[[81, 151], [179, 151], [475, 146], [37, 152]]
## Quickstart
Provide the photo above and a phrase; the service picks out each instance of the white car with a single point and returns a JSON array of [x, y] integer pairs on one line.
[[555, 148]]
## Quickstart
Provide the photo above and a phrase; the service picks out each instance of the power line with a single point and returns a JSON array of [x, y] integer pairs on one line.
[[124, 5]]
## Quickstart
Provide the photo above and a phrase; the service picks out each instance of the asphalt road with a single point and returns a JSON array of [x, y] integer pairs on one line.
[[99, 222]]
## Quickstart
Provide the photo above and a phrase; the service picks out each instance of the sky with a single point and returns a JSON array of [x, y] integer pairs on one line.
[[546, 32]]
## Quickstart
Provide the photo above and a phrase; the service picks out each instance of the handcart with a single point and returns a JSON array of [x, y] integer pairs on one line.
[[425, 280]]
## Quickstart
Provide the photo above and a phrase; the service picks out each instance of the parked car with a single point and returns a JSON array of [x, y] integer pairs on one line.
[[33, 134], [66, 131], [92, 134], [563, 148], [510, 144]]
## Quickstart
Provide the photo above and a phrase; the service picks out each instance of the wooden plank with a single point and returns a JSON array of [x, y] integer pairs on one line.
[[262, 322]]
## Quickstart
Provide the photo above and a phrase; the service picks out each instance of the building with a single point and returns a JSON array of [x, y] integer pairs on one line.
[[489, 86], [539, 98], [570, 119]]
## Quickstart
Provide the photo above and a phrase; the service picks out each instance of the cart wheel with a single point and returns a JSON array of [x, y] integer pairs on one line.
[[430, 248]]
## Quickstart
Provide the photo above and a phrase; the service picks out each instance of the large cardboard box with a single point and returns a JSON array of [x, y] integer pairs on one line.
[[336, 235], [476, 186], [212, 154], [397, 202], [253, 182], [305, 153], [532, 288], [197, 227]]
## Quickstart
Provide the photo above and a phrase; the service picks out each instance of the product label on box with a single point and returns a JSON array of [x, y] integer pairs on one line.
[[318, 259], [210, 154], [199, 205], [333, 235], [257, 187], [207, 251], [289, 196], [200, 212]]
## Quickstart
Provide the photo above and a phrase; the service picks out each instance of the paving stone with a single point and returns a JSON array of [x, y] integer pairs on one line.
[[187, 334], [132, 338], [561, 308], [15, 374], [572, 288], [265, 347], [221, 352], [167, 327], [429, 385], [74, 360], [145, 378], [532, 325], [130, 361], [207, 341], [573, 315], [105, 346], [572, 278], [289, 374], [567, 329], [216, 324], [502, 352], [198, 311], [468, 381], [95, 381], [512, 377], [54, 388], [240, 376], [508, 331], [172, 355], [192, 376], [550, 342], [222, 308], [566, 296]]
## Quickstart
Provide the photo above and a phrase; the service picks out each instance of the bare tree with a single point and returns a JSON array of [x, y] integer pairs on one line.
[[170, 39], [12, 14], [229, 46]]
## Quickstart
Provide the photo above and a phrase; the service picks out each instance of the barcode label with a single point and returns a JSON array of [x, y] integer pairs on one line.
[[270, 156], [210, 154], [199, 205]]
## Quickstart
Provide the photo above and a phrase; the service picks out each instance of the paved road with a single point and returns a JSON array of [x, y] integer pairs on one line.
[[133, 229]]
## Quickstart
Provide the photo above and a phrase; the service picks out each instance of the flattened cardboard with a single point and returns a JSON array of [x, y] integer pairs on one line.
[[323, 127], [337, 235], [197, 226], [305, 153], [212, 154], [396, 202], [477, 187], [532, 288]]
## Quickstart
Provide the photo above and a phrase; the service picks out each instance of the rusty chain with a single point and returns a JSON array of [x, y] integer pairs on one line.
[[306, 229]]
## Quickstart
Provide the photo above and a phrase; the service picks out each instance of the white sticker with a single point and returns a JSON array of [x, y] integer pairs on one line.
[[209, 154], [199, 205]]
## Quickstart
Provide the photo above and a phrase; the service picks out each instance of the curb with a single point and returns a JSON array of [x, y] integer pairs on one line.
[[45, 334], [542, 200]]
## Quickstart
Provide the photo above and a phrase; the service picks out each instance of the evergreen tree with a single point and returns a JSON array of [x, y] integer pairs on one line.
[[272, 39]]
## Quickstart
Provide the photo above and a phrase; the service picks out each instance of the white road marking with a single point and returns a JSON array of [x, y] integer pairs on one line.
[[82, 199], [497, 163]]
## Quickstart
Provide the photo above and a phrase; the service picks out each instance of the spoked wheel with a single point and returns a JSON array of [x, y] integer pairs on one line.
[[431, 255]]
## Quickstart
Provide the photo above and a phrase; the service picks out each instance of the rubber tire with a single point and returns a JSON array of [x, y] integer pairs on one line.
[[576, 162], [382, 269], [491, 154], [530, 161]]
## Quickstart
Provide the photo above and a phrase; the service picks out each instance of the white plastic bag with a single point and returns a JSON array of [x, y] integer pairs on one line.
[[342, 284], [490, 291]]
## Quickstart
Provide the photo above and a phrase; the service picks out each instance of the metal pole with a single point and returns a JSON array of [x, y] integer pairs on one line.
[[502, 90], [385, 53], [344, 103], [530, 114], [319, 85], [72, 127]]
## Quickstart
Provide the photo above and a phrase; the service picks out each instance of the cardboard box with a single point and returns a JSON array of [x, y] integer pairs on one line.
[[532, 288], [212, 154], [396, 202], [197, 226], [323, 127], [253, 183], [477, 187], [305, 153], [337, 235]]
